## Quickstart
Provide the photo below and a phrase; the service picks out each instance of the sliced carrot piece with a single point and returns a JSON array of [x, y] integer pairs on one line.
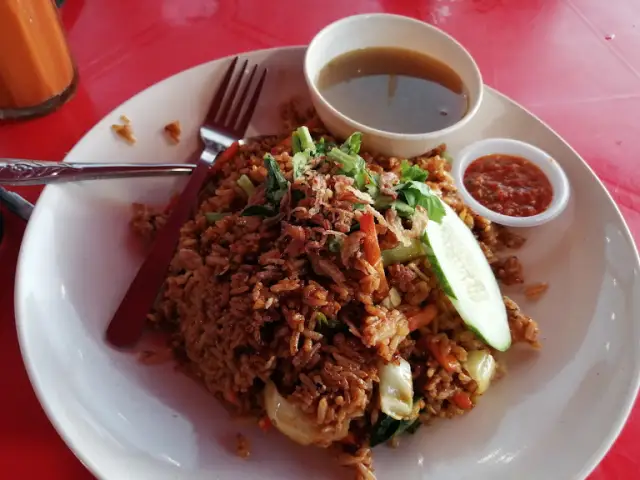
[[448, 361], [372, 250], [462, 400], [423, 318], [224, 157]]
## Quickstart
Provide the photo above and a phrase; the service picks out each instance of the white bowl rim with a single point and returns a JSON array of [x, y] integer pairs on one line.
[[537, 156], [311, 82]]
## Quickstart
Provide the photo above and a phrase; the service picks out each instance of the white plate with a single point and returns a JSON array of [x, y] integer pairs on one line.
[[553, 417]]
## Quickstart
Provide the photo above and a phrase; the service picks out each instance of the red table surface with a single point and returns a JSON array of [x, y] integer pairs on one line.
[[575, 63]]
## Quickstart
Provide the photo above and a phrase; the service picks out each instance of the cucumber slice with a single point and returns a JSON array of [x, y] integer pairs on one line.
[[467, 279]]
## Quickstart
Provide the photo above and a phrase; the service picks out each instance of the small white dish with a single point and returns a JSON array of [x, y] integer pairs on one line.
[[385, 30], [507, 146]]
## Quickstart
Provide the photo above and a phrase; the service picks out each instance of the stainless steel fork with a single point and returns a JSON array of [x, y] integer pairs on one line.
[[226, 123]]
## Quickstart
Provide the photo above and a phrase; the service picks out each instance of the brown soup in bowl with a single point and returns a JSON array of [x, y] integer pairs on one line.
[[394, 89]]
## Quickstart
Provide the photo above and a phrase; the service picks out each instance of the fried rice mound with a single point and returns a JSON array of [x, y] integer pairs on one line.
[[290, 300]]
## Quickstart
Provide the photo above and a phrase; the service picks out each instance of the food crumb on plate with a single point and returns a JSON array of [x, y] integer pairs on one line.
[[243, 447], [535, 291], [509, 271], [173, 131], [124, 131]]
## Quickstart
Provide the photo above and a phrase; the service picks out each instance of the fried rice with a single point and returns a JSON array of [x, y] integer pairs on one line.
[[289, 302]]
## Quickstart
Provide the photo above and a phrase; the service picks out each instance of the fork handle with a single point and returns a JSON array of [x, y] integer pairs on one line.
[[128, 322], [36, 172]]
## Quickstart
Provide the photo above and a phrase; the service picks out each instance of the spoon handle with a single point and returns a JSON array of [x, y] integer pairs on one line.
[[36, 172]]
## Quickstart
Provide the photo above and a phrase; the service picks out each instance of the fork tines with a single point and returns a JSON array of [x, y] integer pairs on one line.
[[227, 106]]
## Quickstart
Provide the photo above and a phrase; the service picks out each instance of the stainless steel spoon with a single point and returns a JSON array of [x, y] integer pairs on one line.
[[35, 172], [15, 171]]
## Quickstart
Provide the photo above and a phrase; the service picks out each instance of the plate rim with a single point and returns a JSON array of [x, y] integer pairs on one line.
[[591, 462]]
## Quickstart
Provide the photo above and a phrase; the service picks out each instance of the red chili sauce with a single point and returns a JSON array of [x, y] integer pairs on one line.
[[509, 185]]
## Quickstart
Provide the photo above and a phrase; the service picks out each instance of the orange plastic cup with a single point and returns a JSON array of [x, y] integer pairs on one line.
[[37, 72]]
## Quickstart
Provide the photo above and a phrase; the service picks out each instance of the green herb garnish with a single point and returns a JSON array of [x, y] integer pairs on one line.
[[258, 211], [349, 164], [417, 193], [246, 185], [277, 185], [352, 144], [388, 427], [303, 149], [412, 172], [322, 147], [403, 209], [352, 166], [296, 146]]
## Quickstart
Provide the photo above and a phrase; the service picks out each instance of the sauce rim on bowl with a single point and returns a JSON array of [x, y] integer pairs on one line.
[[541, 168]]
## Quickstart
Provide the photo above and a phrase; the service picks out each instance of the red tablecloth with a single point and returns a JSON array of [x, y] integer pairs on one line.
[[575, 63]]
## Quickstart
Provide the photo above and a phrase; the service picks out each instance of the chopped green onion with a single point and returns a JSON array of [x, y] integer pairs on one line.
[[296, 146], [348, 163], [404, 253], [246, 185], [322, 147], [352, 144], [300, 161], [277, 184], [213, 217], [353, 166], [305, 139]]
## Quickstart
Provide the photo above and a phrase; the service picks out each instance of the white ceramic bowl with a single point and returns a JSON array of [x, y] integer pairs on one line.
[[385, 30], [553, 416], [508, 146]]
